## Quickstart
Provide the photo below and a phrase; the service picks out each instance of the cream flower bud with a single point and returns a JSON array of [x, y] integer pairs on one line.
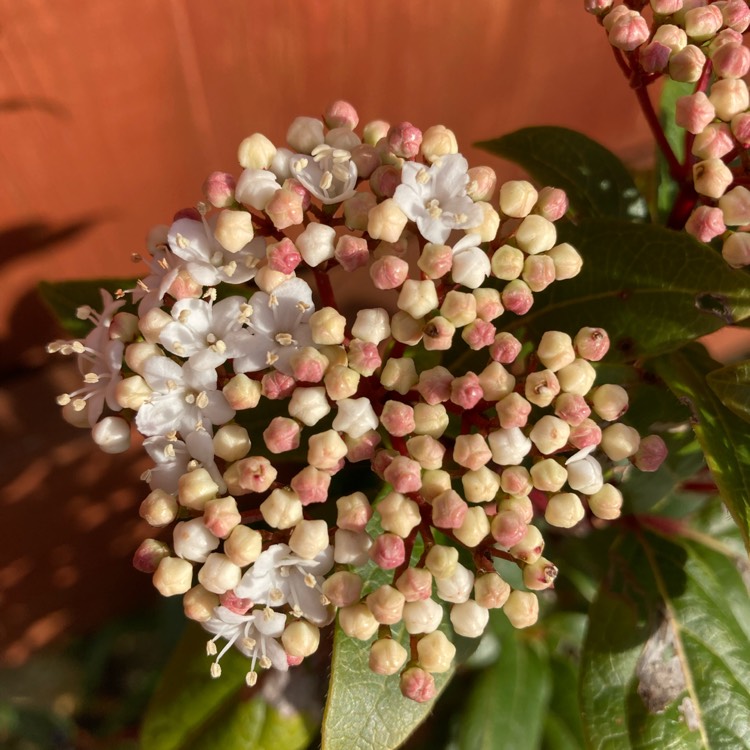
[[256, 152], [159, 508], [386, 604], [730, 97], [539, 575], [219, 573], [456, 588], [242, 392], [198, 604], [442, 561], [196, 488], [325, 450], [354, 511], [300, 638], [735, 206], [460, 308], [469, 619], [418, 298], [522, 609], [112, 434], [471, 451], [152, 323], [507, 263], [715, 141], [351, 547], [137, 354], [564, 510], [243, 546], [491, 591], [482, 183], [309, 538], [515, 480], [282, 509], [434, 481], [480, 485], [531, 546], [606, 503], [509, 447], [670, 35], [541, 388], [513, 411], [234, 229], [406, 329], [435, 652], [398, 514], [386, 221], [357, 622], [487, 231], [343, 588], [567, 260], [496, 382], [415, 584], [548, 475], [430, 419], [519, 504], [327, 326], [400, 375], [610, 401], [316, 243], [372, 325], [536, 235], [620, 441], [231, 442], [438, 141], [426, 451], [517, 198], [585, 475], [173, 576], [387, 656], [577, 377], [309, 405], [220, 516], [736, 250], [686, 65], [474, 528], [555, 350], [489, 303]]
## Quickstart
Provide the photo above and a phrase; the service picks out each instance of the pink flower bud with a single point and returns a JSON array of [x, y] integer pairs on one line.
[[435, 260], [705, 223], [404, 140], [255, 474], [364, 357], [388, 551], [381, 461], [479, 334], [651, 453], [513, 411], [686, 65], [285, 208], [694, 112], [736, 15], [714, 142], [736, 250], [517, 297], [731, 61], [471, 451], [361, 448], [507, 528], [572, 408], [666, 7], [219, 189], [234, 603], [386, 604], [552, 203], [276, 385], [654, 57], [220, 516], [415, 584], [735, 206], [466, 391], [703, 22], [505, 348], [417, 685], [149, 554], [585, 434], [357, 209], [404, 475], [185, 287], [541, 388], [311, 485], [591, 343], [342, 588], [435, 385], [384, 181], [284, 256], [308, 365], [281, 435], [448, 510], [351, 252], [482, 183], [397, 418], [389, 272], [354, 512], [341, 114], [629, 31]]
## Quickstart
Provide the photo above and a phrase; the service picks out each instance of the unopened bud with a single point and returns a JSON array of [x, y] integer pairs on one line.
[[522, 609]]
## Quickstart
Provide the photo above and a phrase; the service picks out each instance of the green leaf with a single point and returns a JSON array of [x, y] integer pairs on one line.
[[665, 660], [595, 180], [732, 385], [724, 437], [64, 297], [652, 289], [507, 704], [667, 188], [192, 711]]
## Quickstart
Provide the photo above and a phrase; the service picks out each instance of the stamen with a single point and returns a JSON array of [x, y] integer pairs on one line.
[[215, 670], [251, 678]]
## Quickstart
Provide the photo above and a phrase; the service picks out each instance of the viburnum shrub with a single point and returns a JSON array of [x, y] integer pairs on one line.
[[383, 394]]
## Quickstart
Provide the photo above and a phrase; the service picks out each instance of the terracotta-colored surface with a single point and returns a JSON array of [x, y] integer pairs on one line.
[[111, 115]]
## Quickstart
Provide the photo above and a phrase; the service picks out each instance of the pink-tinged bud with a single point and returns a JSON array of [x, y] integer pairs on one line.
[[736, 15], [361, 448], [308, 365], [610, 401], [255, 474], [435, 385], [311, 485], [387, 656], [735, 206], [482, 183], [654, 57], [295, 186], [515, 480], [404, 475], [232, 602], [418, 685], [149, 554], [364, 357], [381, 461], [185, 287], [283, 257], [343, 138], [357, 622], [471, 451], [736, 250], [491, 591], [285, 208], [384, 181], [488, 303], [435, 260], [343, 588], [694, 112], [388, 551], [703, 22], [585, 435], [629, 31], [341, 114], [241, 392], [218, 189], [397, 418], [427, 451], [479, 334], [281, 435], [366, 158], [506, 348], [466, 391], [438, 141], [357, 210], [415, 584], [591, 343], [731, 61], [159, 508], [730, 97], [597, 7], [714, 142], [666, 7], [404, 140], [277, 385], [531, 546], [741, 129], [687, 65], [607, 503], [552, 203], [517, 297], [507, 528], [389, 272], [651, 453], [705, 223], [448, 510], [351, 252], [354, 511], [386, 604], [220, 516], [438, 334], [513, 411], [572, 408], [538, 272]]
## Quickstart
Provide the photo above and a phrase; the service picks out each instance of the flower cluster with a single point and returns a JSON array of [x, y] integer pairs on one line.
[[698, 42], [269, 403]]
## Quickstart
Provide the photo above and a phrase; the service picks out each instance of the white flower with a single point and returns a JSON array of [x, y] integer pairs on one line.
[[329, 173], [183, 400], [471, 266], [435, 197], [280, 323], [207, 261], [254, 634], [256, 187], [280, 577], [355, 416], [208, 334], [164, 266]]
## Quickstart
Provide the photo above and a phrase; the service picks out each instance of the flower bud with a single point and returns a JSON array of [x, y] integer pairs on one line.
[[448, 510], [400, 375], [357, 622], [585, 434], [219, 573], [715, 141], [255, 152], [519, 504], [507, 263], [198, 604], [438, 141], [736, 15], [550, 434], [591, 343], [417, 685], [538, 272], [422, 616], [282, 509], [482, 183], [398, 514], [426, 451], [367, 159], [403, 474], [220, 516], [564, 510], [309, 405], [351, 252], [629, 31], [430, 419], [567, 260], [149, 554], [309, 538], [397, 418], [496, 382], [705, 223], [456, 588], [531, 546], [480, 485], [522, 609], [508, 528], [735, 206], [404, 140], [388, 551], [654, 57], [442, 561], [435, 652], [620, 441], [311, 485], [418, 298], [435, 260], [541, 388], [343, 588], [304, 134], [577, 377], [702, 23], [548, 475], [173, 576], [316, 243], [469, 619], [415, 584], [386, 604], [387, 656], [112, 435], [517, 198], [651, 453], [572, 408], [243, 546], [282, 435], [300, 638], [471, 451], [474, 529], [491, 591], [509, 447], [670, 35], [256, 187], [517, 297], [386, 221], [606, 503], [513, 411], [325, 450], [585, 475], [354, 511], [686, 65], [355, 416], [730, 97], [736, 250], [196, 488], [536, 235], [241, 392], [351, 547]]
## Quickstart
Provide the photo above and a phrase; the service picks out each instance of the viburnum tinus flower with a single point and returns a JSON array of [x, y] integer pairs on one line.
[[269, 377]]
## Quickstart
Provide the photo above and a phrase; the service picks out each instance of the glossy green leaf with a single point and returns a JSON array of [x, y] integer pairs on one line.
[[506, 706], [667, 187], [651, 288], [665, 660], [191, 711], [63, 298], [732, 385], [724, 437], [596, 181]]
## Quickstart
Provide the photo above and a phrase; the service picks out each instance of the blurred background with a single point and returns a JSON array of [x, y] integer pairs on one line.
[[111, 115]]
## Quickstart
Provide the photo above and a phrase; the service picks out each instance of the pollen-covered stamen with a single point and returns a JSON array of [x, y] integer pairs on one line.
[[276, 596], [423, 176], [91, 378], [326, 180], [284, 339], [299, 164], [251, 678], [201, 400], [230, 268], [433, 208], [182, 241]]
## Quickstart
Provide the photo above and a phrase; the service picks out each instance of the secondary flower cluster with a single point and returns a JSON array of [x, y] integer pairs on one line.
[[700, 42], [340, 318]]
